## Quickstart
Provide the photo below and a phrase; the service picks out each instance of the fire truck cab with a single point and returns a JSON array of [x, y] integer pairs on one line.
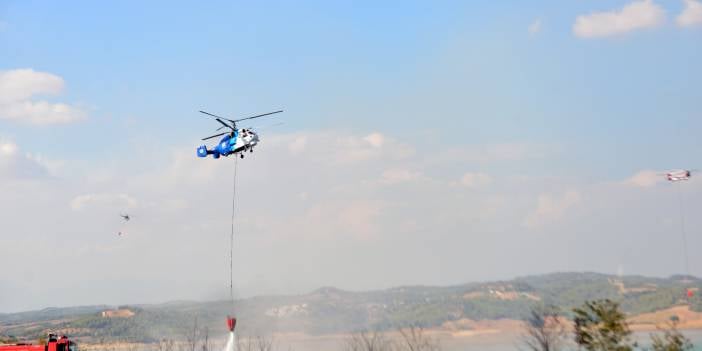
[[53, 343]]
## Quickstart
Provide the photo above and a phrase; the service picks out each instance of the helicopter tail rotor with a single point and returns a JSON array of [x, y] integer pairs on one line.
[[202, 151]]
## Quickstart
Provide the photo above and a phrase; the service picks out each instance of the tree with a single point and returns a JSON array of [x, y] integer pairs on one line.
[[256, 343], [165, 345], [672, 340], [544, 330], [8, 339], [206, 342], [601, 326], [263, 343], [414, 339], [366, 341], [192, 336]]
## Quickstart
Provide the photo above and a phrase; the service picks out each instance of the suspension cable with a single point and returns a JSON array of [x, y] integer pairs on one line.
[[231, 237], [682, 230]]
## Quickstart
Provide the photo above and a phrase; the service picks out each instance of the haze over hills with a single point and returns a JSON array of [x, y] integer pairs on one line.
[[330, 310]]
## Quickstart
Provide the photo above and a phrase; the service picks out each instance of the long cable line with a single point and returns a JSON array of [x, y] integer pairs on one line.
[[231, 237], [682, 230]]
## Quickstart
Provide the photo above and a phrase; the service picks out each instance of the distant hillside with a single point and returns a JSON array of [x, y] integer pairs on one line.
[[330, 310]]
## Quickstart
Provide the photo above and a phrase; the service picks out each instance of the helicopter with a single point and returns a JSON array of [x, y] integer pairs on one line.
[[235, 141]]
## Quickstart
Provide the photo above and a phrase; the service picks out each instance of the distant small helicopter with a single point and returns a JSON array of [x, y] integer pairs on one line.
[[678, 174], [236, 141], [125, 218]]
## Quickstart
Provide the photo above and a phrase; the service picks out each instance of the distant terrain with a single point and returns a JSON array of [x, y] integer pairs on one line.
[[467, 308]]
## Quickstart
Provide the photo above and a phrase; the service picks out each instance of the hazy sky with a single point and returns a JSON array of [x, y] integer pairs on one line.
[[424, 143]]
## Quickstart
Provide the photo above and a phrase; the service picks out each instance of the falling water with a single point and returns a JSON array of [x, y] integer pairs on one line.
[[231, 342]]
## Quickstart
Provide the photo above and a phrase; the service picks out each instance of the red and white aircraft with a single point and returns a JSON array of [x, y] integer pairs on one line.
[[678, 174]]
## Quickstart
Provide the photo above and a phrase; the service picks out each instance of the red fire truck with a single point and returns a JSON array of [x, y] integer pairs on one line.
[[53, 343]]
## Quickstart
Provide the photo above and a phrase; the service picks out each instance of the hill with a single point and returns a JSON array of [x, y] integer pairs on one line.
[[330, 310]]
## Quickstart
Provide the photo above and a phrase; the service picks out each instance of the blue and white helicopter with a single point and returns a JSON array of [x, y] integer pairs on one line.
[[235, 141]]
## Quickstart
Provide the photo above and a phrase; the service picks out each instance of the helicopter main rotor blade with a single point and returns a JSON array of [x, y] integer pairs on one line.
[[257, 116], [224, 124], [220, 120], [214, 136], [267, 126], [210, 114]]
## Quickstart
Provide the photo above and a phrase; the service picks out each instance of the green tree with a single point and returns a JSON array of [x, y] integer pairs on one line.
[[601, 326], [672, 340]]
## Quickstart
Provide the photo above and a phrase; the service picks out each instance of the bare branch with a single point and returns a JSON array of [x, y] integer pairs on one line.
[[415, 339], [365, 341], [544, 330], [255, 343]]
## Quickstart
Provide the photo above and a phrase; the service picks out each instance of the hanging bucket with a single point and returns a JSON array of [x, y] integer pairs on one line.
[[231, 323]]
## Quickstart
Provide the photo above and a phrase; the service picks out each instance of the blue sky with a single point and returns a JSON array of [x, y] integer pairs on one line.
[[401, 67], [452, 92]]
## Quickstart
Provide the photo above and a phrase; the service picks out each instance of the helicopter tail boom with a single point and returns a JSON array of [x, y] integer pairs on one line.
[[202, 151]]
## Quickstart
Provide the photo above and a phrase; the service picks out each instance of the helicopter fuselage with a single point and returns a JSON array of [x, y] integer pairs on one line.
[[233, 143], [677, 175]]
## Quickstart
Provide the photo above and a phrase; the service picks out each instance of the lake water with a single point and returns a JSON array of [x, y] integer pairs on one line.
[[493, 342]]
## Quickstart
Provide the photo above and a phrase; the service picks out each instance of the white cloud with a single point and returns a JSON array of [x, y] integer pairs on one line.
[[475, 180], [645, 179], [395, 176], [300, 211], [18, 88], [16, 165], [375, 139], [505, 152], [691, 15], [21, 84], [351, 149], [551, 207], [121, 201], [634, 16], [535, 27], [361, 217], [8, 149], [298, 145]]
